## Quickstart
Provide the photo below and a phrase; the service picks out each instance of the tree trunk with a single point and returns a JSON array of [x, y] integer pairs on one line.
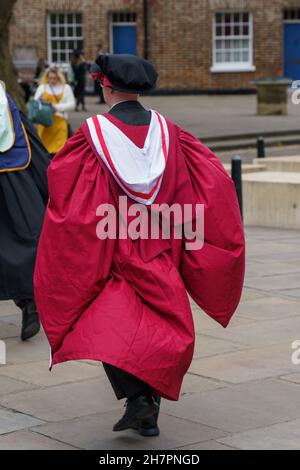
[[7, 71]]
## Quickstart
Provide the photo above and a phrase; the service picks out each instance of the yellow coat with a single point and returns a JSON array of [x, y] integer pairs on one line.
[[54, 137]]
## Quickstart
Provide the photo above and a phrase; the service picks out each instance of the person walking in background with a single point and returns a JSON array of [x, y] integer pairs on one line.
[[80, 68], [71, 71], [54, 89], [39, 70], [23, 199], [98, 88]]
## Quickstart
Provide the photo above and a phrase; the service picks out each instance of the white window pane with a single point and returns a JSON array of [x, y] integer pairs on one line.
[[237, 44], [237, 56], [246, 56], [219, 44], [219, 57]]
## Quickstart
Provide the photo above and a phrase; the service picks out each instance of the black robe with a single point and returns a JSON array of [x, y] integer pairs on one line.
[[23, 199]]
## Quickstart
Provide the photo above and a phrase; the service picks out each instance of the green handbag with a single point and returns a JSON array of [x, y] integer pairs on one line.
[[41, 112]]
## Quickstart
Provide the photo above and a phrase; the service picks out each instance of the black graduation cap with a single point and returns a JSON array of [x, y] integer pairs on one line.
[[127, 72]]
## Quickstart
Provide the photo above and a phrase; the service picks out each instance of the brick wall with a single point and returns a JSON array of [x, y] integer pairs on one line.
[[180, 35]]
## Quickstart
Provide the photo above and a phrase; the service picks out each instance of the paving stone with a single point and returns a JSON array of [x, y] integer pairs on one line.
[[20, 352], [269, 308], [12, 319], [9, 386], [268, 248], [283, 436], [238, 367], [38, 372], [26, 440], [295, 378], [204, 324], [266, 269], [95, 433], [278, 256], [194, 384], [7, 307], [207, 346], [13, 421], [208, 445], [276, 282], [251, 294], [65, 401], [266, 334], [8, 331], [289, 293], [240, 407], [267, 234]]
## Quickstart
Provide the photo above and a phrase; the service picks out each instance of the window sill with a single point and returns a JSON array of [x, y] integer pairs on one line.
[[232, 68]]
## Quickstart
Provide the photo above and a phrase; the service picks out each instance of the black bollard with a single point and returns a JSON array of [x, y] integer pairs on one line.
[[261, 153], [236, 175]]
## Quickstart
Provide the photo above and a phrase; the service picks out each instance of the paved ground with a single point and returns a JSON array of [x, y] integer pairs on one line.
[[211, 116], [208, 116], [242, 390]]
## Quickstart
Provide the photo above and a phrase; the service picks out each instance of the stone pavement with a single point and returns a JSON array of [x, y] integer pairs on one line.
[[209, 115], [242, 390]]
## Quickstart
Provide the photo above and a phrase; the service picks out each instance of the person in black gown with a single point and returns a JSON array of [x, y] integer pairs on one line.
[[23, 199]]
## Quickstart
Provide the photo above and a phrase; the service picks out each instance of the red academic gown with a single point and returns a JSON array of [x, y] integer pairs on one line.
[[124, 302]]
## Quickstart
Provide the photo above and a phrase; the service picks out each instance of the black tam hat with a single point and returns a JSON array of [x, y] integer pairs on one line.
[[127, 73]]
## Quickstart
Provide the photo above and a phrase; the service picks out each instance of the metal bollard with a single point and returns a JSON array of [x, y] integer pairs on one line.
[[261, 153], [236, 175]]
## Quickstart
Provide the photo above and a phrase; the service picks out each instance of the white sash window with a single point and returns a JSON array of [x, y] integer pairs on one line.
[[232, 42]]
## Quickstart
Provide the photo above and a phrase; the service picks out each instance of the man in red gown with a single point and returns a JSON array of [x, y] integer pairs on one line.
[[123, 300]]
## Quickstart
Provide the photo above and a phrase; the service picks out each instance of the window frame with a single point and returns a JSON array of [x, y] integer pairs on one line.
[[50, 38], [218, 67]]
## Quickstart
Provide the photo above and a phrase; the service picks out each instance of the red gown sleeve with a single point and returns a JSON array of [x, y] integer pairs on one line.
[[214, 275], [72, 263]]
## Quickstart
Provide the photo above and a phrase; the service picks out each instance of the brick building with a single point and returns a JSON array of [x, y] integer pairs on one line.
[[196, 44]]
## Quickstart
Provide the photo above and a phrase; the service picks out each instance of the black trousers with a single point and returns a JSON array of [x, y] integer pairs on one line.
[[125, 385], [27, 304]]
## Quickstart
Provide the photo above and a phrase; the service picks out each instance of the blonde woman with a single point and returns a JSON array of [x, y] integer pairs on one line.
[[54, 89]]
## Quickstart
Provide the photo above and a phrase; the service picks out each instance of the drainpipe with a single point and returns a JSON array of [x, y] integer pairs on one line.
[[146, 43]]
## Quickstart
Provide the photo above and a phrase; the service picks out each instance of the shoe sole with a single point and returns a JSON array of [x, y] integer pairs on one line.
[[146, 432], [145, 413]]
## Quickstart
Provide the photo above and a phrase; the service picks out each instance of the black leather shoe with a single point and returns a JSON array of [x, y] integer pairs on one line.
[[30, 321], [148, 426], [144, 406]]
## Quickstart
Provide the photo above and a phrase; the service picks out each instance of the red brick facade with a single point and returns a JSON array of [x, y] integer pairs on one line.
[[180, 36]]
